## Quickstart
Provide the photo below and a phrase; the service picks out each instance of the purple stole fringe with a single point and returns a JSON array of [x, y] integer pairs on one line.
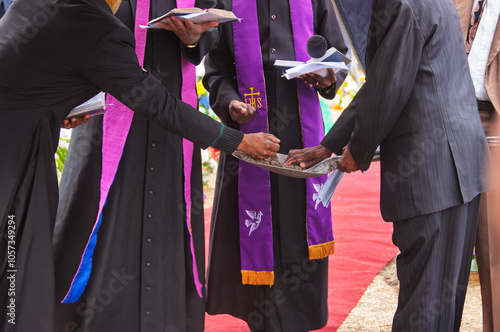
[[116, 125], [254, 189]]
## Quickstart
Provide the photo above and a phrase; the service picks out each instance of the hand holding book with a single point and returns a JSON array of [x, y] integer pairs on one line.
[[195, 15], [94, 106], [187, 32], [74, 122]]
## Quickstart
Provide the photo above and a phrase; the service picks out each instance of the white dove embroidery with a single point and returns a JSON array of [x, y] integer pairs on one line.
[[256, 218], [316, 197]]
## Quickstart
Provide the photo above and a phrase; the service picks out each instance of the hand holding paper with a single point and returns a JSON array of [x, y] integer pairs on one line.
[[318, 81], [347, 163], [318, 65]]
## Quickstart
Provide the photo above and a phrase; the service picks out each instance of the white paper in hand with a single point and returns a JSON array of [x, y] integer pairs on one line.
[[319, 68], [332, 59], [326, 192]]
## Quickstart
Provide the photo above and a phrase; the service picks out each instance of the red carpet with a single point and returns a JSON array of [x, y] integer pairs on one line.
[[363, 247]]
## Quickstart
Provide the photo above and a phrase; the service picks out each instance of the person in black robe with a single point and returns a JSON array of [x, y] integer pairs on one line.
[[161, 295], [54, 55], [298, 299]]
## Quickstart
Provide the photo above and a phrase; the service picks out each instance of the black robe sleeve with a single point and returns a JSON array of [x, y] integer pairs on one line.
[[112, 66], [220, 73], [207, 40]]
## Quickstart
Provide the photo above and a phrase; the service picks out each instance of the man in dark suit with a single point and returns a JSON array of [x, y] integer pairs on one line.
[[418, 105]]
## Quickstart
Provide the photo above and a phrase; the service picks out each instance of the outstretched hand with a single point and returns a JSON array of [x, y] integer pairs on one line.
[[74, 122], [320, 82], [308, 157], [188, 32], [241, 112], [259, 145], [347, 163]]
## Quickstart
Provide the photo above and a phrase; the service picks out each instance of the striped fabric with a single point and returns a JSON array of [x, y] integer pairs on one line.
[[418, 104]]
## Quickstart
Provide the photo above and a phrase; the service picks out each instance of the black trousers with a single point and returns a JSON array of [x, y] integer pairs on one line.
[[433, 268]]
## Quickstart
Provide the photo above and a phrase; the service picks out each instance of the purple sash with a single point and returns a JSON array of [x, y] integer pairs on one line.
[[318, 218], [116, 125], [254, 192]]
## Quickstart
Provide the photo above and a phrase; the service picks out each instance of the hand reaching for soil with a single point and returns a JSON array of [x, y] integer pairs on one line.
[[259, 145]]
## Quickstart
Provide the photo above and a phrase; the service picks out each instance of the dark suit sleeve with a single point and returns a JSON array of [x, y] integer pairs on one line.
[[394, 51], [112, 66], [340, 134]]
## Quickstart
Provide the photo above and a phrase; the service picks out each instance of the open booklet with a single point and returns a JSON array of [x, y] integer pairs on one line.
[[332, 59], [196, 15], [94, 106]]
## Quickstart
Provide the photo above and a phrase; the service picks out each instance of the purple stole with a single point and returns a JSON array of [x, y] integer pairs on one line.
[[116, 125], [254, 189]]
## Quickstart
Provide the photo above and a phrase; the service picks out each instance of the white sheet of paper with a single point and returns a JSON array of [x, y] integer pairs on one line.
[[313, 67], [326, 192]]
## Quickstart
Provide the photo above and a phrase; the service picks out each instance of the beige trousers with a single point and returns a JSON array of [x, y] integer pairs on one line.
[[488, 242]]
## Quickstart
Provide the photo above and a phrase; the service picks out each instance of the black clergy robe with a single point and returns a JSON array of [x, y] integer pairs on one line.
[[299, 297], [143, 234], [46, 70]]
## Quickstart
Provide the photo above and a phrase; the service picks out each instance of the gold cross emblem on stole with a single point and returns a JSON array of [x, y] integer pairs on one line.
[[255, 102]]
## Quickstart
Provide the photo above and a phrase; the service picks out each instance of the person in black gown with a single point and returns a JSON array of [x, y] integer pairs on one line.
[[302, 282], [152, 157], [74, 50]]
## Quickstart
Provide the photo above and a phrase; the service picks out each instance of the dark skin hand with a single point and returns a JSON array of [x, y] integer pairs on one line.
[[320, 82], [308, 157], [259, 145], [188, 32], [241, 112], [347, 163], [74, 122]]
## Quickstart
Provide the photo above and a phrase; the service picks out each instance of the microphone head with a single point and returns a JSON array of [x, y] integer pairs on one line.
[[316, 46]]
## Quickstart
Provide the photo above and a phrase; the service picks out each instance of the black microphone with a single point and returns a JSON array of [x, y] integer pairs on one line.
[[316, 46]]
